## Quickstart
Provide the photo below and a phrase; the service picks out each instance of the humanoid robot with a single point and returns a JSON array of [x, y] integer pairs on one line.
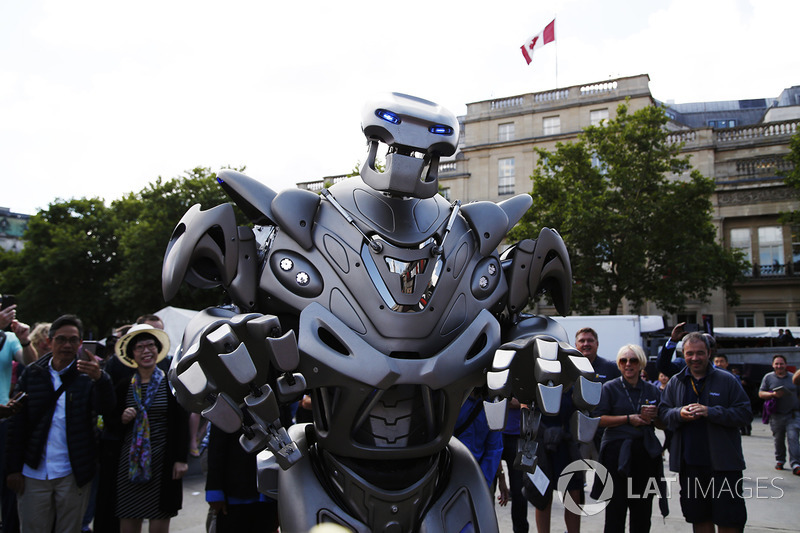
[[388, 305]]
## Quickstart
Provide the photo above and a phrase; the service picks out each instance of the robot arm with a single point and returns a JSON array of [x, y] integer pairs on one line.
[[537, 364], [235, 369], [537, 368], [227, 371]]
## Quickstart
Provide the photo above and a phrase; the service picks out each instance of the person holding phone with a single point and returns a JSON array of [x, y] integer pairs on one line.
[[785, 421], [52, 449], [630, 450]]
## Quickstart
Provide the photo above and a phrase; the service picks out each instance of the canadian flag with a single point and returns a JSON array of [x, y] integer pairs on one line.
[[547, 35]]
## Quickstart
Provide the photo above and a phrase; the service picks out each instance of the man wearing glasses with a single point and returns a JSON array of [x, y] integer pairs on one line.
[[52, 452]]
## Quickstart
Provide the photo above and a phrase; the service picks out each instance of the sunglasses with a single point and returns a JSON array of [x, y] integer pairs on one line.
[[624, 361]]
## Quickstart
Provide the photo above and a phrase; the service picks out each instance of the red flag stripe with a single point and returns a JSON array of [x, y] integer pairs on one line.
[[547, 35]]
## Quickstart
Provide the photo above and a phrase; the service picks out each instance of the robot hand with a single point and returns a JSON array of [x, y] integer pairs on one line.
[[536, 369], [225, 374]]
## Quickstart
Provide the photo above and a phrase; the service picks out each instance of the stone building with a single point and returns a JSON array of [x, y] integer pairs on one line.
[[741, 144], [12, 226]]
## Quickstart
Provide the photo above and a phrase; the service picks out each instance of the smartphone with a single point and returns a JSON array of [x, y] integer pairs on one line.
[[86, 351], [8, 300]]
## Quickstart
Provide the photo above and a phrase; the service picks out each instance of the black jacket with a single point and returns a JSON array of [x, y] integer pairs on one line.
[[728, 410], [171, 493], [29, 428]]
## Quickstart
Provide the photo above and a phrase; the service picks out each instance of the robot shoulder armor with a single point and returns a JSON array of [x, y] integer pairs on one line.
[[294, 211], [491, 222]]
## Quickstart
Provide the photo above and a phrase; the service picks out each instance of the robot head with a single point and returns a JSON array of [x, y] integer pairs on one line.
[[417, 133]]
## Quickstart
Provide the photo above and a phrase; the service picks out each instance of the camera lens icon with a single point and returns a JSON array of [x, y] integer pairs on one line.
[[601, 476]]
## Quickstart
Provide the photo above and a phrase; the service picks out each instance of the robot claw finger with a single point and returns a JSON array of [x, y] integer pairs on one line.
[[388, 305]]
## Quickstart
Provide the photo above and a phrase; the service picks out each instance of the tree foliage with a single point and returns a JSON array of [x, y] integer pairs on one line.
[[104, 263], [632, 232], [70, 253]]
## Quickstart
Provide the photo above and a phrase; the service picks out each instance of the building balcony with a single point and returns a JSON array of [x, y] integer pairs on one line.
[[318, 185], [617, 89], [774, 271], [768, 133]]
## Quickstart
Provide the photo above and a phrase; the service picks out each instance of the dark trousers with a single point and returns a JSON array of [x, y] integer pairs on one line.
[[105, 521], [641, 509], [519, 505], [249, 518], [8, 498]]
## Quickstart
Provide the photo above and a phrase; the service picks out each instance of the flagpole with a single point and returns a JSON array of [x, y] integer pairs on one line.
[[554, 18]]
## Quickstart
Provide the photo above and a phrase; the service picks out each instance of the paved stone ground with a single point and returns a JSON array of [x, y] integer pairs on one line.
[[772, 507]]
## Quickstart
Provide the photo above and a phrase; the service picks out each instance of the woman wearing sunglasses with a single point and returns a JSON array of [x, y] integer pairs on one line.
[[630, 450]]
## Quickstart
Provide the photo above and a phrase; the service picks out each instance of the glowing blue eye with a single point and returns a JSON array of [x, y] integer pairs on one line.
[[388, 116], [441, 130]]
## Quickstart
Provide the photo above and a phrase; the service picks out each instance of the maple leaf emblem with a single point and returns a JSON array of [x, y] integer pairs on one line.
[[533, 42]]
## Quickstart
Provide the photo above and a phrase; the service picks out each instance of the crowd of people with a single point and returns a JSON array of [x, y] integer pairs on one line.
[[92, 437], [699, 408], [97, 440]]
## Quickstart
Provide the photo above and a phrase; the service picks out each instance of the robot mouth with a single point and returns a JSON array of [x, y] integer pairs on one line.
[[407, 151]]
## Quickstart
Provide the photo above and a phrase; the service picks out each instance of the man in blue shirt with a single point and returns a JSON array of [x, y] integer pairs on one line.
[[52, 452], [587, 342], [473, 431]]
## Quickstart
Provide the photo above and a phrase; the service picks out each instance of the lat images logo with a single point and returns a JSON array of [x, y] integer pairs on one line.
[[602, 476]]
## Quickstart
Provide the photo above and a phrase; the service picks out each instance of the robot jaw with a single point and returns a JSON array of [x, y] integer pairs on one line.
[[404, 175], [417, 132]]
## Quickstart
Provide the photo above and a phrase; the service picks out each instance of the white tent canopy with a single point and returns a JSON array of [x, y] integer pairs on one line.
[[175, 320]]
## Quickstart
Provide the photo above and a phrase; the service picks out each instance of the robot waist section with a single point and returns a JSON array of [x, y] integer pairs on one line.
[[356, 385], [443, 492]]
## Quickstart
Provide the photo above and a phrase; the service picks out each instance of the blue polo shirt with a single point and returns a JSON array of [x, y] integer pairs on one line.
[[605, 370]]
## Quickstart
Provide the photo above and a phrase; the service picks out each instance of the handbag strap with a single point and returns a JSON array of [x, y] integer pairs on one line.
[[470, 419]]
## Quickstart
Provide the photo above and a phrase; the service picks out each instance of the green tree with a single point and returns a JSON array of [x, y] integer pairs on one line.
[[104, 263], [632, 232], [70, 253]]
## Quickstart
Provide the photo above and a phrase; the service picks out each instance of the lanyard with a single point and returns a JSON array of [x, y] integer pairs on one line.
[[628, 394], [694, 387]]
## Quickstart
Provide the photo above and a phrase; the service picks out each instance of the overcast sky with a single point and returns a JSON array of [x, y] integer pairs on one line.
[[99, 98]]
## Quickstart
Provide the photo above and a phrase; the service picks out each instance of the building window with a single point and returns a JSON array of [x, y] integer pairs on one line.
[[689, 318], [551, 125], [775, 319], [796, 250], [729, 123], [505, 175], [597, 116], [745, 320], [770, 251], [740, 240], [505, 132], [445, 191]]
